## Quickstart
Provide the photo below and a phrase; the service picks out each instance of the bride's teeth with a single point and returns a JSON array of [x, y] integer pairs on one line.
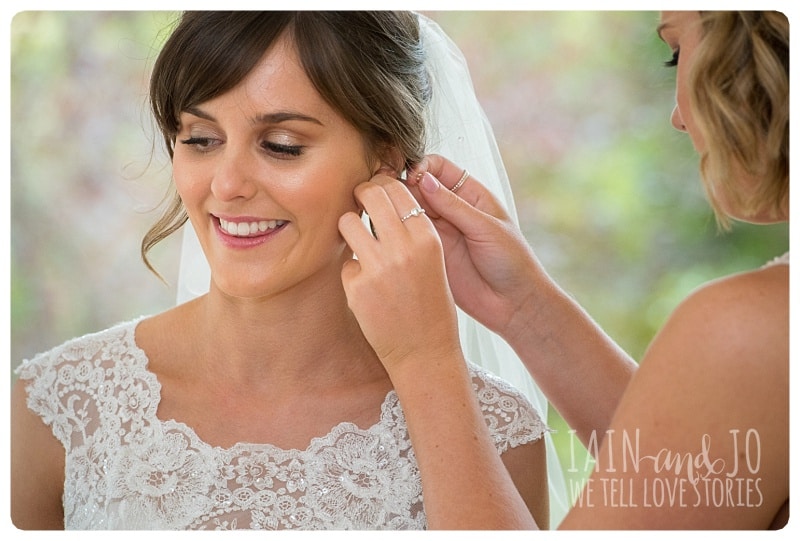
[[244, 229]]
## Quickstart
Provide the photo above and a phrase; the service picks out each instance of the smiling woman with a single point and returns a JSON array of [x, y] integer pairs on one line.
[[262, 404], [271, 151], [583, 163], [85, 74]]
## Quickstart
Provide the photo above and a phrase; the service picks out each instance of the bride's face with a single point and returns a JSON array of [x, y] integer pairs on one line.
[[265, 171]]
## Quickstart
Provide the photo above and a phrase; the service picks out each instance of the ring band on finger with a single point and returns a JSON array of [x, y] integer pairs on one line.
[[461, 181], [413, 212]]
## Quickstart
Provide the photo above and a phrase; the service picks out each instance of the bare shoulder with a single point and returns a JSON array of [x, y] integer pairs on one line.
[[713, 389], [715, 383], [735, 320], [727, 344], [763, 291], [164, 324]]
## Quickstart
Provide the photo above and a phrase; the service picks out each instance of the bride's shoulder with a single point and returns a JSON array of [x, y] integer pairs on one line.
[[511, 416], [84, 347], [488, 385]]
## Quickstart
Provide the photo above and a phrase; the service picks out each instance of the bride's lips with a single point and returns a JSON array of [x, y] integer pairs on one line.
[[246, 231]]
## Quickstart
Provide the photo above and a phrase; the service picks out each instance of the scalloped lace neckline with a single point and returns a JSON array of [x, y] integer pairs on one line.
[[316, 442]]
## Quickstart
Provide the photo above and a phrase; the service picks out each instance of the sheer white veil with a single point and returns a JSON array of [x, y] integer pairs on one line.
[[459, 130]]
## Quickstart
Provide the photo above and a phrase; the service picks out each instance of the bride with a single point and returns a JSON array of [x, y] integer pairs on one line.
[[259, 403]]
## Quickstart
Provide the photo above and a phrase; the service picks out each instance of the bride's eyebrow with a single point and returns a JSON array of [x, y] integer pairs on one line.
[[199, 113], [284, 116], [265, 118]]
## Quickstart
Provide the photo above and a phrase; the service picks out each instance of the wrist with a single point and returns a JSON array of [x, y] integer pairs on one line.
[[536, 312], [425, 372]]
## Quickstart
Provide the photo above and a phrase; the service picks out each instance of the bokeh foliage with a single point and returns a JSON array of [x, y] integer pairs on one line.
[[607, 191]]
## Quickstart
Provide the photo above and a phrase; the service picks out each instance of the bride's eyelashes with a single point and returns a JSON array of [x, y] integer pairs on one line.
[[207, 144], [282, 149]]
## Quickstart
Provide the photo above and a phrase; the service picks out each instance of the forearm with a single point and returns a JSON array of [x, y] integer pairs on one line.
[[580, 369], [465, 484]]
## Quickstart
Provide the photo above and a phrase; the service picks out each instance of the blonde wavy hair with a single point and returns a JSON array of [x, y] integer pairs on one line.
[[740, 101]]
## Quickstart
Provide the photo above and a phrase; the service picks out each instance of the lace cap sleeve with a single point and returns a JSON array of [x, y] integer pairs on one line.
[[73, 385], [511, 418]]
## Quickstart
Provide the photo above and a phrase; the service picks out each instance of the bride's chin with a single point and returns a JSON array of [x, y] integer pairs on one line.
[[239, 289]]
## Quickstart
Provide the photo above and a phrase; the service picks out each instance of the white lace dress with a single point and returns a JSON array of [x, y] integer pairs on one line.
[[126, 469]]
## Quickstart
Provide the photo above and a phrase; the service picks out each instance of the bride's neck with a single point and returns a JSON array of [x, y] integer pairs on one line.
[[290, 337]]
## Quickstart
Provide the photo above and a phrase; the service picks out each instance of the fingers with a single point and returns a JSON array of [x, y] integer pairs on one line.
[[391, 207], [394, 214], [397, 287], [456, 179], [440, 167], [356, 235], [470, 215], [350, 270]]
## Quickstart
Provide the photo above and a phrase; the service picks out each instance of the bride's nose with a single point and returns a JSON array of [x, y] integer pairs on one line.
[[235, 176]]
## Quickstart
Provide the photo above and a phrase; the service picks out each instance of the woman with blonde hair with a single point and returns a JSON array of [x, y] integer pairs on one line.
[[695, 436]]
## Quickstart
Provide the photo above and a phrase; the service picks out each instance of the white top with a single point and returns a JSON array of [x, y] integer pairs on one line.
[[127, 469]]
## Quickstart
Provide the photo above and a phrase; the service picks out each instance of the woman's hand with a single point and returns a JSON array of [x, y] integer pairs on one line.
[[491, 270], [398, 291], [397, 287], [496, 278]]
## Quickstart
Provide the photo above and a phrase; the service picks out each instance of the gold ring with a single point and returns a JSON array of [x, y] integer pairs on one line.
[[460, 181]]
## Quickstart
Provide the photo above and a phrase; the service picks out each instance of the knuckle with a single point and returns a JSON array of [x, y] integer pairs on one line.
[[362, 189], [429, 241]]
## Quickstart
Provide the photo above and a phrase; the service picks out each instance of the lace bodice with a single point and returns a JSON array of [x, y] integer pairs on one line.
[[127, 469]]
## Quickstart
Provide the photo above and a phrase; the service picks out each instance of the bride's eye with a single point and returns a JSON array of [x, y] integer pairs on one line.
[[201, 144], [282, 150]]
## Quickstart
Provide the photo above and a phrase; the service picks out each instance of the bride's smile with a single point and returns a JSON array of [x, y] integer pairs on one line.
[[243, 227], [265, 170]]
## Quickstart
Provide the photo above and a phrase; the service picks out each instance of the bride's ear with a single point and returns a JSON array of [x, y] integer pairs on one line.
[[391, 163]]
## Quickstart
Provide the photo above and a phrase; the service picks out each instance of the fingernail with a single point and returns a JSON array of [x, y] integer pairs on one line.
[[429, 183], [412, 178]]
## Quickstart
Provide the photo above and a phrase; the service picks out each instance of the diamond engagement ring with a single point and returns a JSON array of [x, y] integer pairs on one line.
[[461, 181], [414, 212]]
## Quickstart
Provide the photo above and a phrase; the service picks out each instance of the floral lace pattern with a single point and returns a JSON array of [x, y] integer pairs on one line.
[[126, 469]]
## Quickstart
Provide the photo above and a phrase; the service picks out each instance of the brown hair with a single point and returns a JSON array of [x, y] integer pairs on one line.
[[740, 99], [369, 66]]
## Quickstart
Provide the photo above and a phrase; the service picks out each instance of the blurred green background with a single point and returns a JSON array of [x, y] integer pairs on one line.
[[607, 191]]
